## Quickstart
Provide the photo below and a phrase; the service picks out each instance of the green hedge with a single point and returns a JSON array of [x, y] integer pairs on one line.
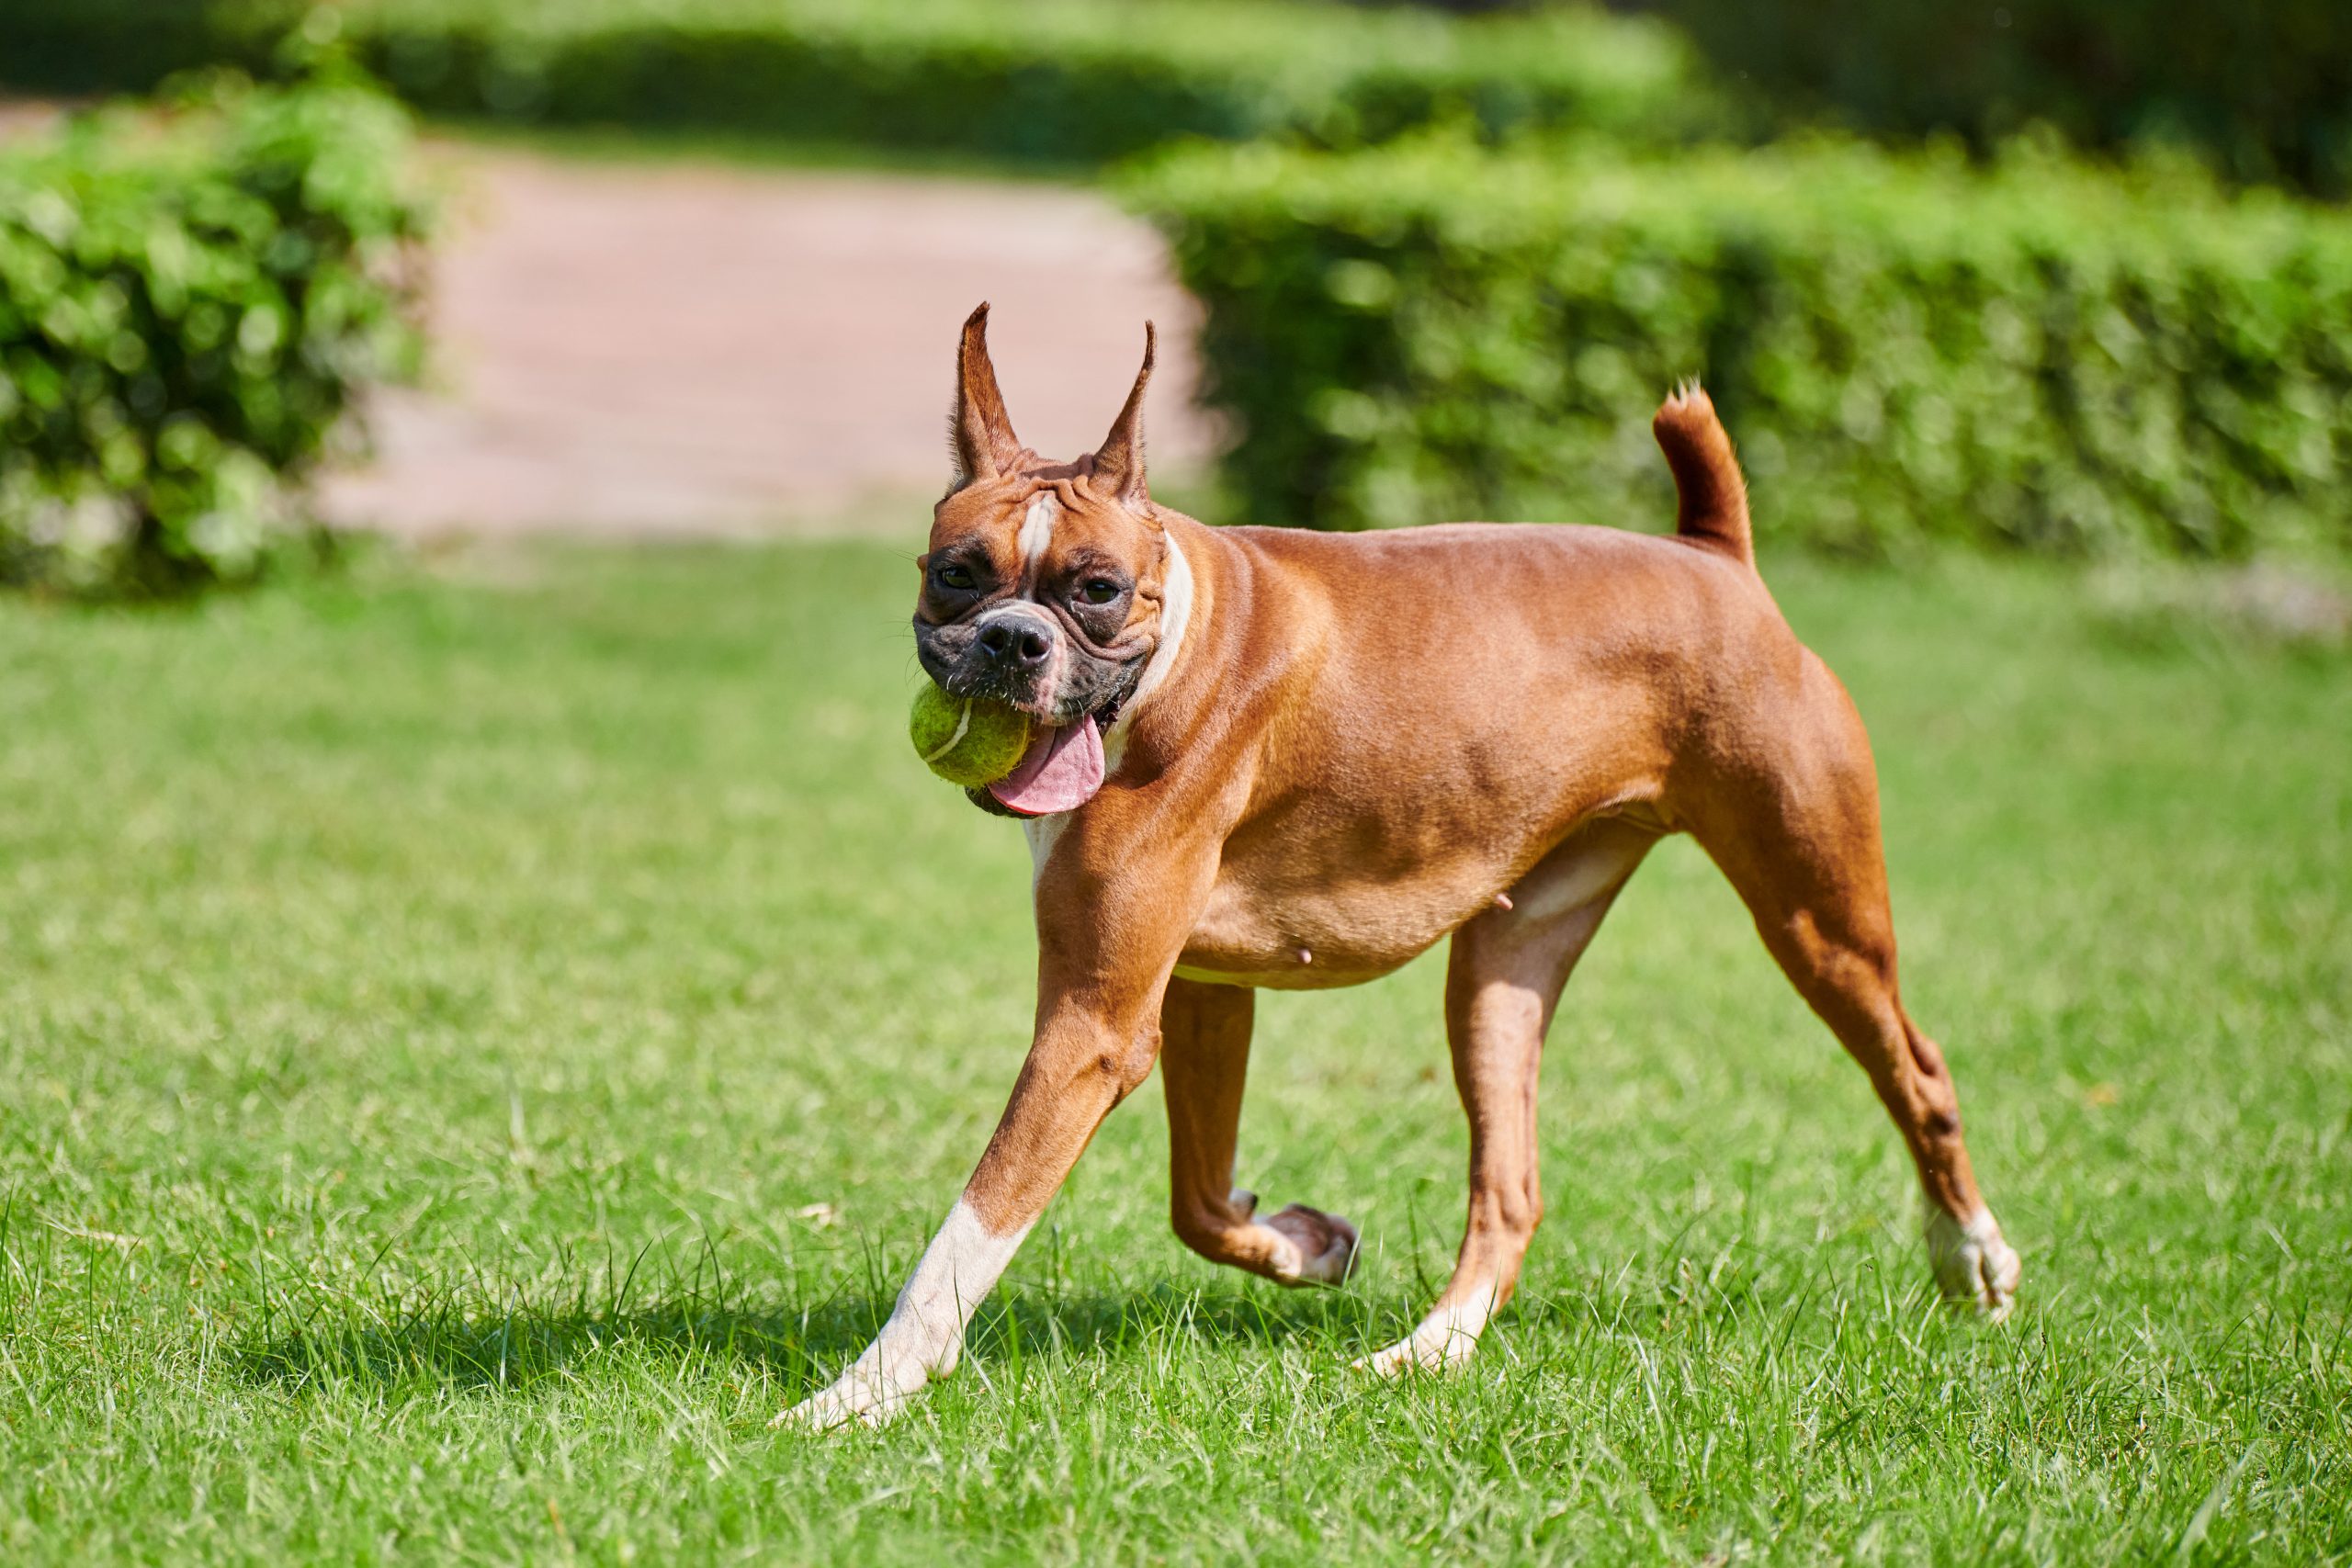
[[1056, 81], [2042, 357], [99, 46], [190, 299], [2265, 84]]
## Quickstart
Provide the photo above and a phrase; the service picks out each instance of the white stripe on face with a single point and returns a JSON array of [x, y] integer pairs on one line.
[[1037, 528]]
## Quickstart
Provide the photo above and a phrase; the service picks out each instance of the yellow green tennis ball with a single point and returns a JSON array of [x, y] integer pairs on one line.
[[967, 740]]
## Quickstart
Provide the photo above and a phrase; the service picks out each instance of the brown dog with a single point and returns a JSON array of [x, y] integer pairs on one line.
[[1276, 757]]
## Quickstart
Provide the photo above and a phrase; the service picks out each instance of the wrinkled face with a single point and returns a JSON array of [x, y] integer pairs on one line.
[[1039, 592], [1042, 585]]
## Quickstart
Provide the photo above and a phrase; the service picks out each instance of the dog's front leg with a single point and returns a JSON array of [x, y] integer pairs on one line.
[[1103, 967], [1086, 1058]]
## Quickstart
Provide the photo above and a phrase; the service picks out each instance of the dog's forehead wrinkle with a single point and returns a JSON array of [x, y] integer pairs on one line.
[[1090, 534]]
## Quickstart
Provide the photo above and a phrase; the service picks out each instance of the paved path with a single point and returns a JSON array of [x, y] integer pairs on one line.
[[644, 349]]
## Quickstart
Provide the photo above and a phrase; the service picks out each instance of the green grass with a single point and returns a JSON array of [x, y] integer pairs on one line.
[[473, 1048]]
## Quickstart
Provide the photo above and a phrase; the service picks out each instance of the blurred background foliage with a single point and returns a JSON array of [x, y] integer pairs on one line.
[[191, 297], [1449, 260], [2039, 355], [1058, 83], [2262, 88]]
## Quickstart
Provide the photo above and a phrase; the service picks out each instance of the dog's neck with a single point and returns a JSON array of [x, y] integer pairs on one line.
[[1178, 604]]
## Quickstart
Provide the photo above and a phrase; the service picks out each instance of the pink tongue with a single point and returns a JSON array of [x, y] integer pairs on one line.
[[1061, 772]]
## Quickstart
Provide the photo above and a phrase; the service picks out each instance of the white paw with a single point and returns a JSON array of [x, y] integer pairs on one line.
[[1974, 1267], [1420, 1351], [869, 1392], [1442, 1342], [1315, 1249]]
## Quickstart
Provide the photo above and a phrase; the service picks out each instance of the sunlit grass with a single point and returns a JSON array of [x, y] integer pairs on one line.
[[473, 1047]]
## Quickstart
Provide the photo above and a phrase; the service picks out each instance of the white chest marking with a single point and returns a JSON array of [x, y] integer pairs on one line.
[[1044, 833], [1175, 616]]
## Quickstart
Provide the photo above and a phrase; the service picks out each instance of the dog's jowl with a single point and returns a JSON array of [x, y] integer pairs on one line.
[[1265, 757]]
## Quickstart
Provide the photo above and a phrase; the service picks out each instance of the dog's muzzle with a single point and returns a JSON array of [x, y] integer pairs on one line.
[[1015, 641], [1015, 655]]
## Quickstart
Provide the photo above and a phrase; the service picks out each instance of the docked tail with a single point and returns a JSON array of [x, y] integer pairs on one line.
[[1706, 476]]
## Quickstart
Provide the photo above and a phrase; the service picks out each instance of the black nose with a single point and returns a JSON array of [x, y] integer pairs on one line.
[[1022, 647]]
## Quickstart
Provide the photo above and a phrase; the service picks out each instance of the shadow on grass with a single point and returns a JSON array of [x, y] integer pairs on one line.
[[694, 1319], [442, 1345]]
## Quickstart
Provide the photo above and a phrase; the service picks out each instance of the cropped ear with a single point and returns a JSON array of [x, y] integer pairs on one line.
[[980, 430], [1118, 463]]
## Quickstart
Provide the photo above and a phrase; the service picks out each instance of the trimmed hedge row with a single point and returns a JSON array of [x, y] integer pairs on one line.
[[1065, 81], [2265, 85], [99, 46], [189, 302], [2041, 357]]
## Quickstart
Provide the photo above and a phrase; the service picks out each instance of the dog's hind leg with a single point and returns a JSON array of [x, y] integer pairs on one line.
[[1504, 975], [1801, 845], [1203, 1058]]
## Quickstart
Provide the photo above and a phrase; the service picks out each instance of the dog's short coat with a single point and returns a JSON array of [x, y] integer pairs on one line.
[[1279, 757]]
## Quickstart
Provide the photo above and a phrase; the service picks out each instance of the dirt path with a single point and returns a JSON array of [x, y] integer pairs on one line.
[[628, 349]]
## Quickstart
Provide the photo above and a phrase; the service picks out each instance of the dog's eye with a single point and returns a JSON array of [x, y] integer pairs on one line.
[[953, 576], [1098, 590]]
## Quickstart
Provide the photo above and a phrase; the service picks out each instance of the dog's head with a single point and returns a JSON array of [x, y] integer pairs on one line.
[[1043, 583]]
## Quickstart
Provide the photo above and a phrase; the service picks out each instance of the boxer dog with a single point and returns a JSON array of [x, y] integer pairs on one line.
[[1270, 756]]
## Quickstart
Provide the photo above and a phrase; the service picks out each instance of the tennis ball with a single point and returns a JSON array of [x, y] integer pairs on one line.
[[967, 740]]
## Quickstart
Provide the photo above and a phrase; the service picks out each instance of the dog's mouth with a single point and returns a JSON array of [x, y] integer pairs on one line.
[[1063, 768]]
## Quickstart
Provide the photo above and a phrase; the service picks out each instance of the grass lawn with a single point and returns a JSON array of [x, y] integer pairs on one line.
[[473, 1047]]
